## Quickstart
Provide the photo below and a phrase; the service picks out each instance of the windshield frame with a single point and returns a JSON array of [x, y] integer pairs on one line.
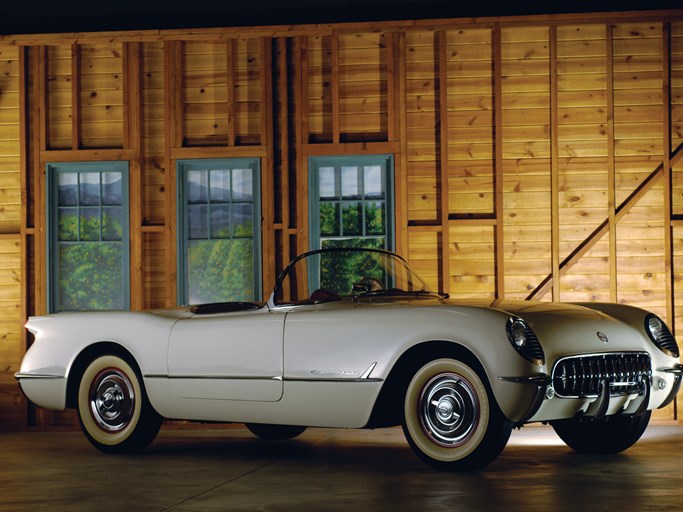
[[393, 264]]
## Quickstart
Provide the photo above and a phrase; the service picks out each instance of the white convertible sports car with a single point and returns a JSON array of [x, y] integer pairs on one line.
[[353, 338]]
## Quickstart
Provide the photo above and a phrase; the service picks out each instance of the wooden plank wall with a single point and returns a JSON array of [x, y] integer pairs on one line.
[[534, 157]]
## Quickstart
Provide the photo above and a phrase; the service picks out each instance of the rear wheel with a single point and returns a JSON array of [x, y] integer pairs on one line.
[[113, 409], [275, 432], [450, 419], [614, 434]]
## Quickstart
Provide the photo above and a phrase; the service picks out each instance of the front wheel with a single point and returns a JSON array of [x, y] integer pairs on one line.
[[113, 409], [613, 434], [451, 420]]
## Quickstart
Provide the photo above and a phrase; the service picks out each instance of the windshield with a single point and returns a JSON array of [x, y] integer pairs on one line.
[[342, 273]]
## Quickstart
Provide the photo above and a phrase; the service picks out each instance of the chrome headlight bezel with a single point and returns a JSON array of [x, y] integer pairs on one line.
[[660, 334], [523, 339]]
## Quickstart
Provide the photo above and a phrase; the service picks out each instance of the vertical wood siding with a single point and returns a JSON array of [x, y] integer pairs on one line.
[[534, 159]]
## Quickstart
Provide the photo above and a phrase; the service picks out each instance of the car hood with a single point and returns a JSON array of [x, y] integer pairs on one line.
[[564, 328]]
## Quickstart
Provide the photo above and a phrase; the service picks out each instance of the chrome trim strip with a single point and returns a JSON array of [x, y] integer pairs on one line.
[[277, 377], [313, 379], [539, 379], [212, 377], [676, 370], [366, 373], [19, 376]]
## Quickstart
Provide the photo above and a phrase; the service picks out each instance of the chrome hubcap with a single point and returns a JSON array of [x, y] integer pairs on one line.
[[449, 410], [112, 400]]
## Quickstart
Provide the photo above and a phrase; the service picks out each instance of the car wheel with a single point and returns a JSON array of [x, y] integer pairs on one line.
[[113, 409], [450, 419], [614, 434], [275, 432]]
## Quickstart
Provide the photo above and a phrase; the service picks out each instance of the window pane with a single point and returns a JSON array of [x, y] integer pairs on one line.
[[374, 218], [67, 184], [68, 224], [198, 222], [197, 187], [350, 184], [329, 219], [111, 188], [90, 276], [242, 221], [90, 224], [220, 186], [220, 221], [242, 185], [374, 182], [328, 183], [352, 218], [111, 223], [89, 189], [221, 270]]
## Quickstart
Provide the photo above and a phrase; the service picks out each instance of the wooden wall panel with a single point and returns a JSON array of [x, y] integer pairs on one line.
[[362, 77], [421, 122], [10, 177], [205, 95], [12, 412], [470, 127], [101, 95], [59, 100], [153, 143], [526, 158]]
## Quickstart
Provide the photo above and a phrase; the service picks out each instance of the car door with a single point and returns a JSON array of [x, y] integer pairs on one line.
[[233, 356]]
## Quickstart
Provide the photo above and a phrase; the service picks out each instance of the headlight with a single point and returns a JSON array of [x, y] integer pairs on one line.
[[524, 341], [661, 336]]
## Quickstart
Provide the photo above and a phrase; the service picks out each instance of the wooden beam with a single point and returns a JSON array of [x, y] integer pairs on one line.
[[554, 167], [132, 65], [24, 149], [302, 138], [75, 96], [334, 79], [230, 90], [351, 148], [268, 170], [498, 178], [283, 144], [401, 161], [666, 147], [442, 152], [611, 164], [172, 140], [39, 116]]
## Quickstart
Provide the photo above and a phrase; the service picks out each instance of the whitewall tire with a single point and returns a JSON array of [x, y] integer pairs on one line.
[[450, 420], [113, 409]]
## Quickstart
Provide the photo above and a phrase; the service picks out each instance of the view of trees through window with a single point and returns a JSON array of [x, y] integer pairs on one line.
[[352, 209], [219, 231], [89, 240]]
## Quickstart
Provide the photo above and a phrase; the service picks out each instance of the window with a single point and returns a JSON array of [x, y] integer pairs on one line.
[[219, 221], [351, 202], [88, 244]]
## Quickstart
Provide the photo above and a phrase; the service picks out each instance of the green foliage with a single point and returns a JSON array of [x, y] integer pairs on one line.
[[221, 270], [340, 270], [90, 276]]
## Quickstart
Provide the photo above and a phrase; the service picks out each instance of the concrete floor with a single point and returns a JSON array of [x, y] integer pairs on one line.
[[332, 470]]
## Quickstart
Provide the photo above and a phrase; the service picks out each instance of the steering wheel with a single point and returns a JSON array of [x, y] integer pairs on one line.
[[367, 285]]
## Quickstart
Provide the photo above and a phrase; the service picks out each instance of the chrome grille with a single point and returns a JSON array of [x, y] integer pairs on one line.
[[581, 376]]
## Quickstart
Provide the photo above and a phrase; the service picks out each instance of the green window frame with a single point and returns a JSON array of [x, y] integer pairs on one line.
[[219, 230], [88, 250], [351, 201]]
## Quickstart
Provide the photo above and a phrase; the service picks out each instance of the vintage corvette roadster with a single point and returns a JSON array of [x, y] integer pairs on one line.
[[352, 338]]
